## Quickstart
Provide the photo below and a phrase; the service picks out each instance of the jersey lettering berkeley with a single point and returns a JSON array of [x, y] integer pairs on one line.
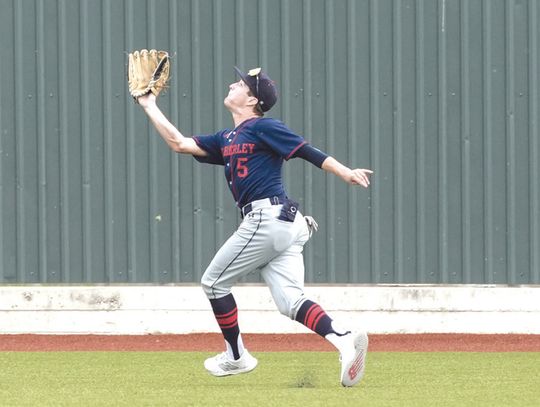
[[243, 148], [260, 144]]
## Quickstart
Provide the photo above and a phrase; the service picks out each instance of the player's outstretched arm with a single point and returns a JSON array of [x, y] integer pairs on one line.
[[358, 176], [168, 132]]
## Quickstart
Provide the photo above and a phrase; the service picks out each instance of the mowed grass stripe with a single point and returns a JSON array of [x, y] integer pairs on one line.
[[281, 379]]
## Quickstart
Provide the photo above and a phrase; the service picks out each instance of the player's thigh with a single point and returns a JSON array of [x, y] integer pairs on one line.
[[244, 252], [284, 276]]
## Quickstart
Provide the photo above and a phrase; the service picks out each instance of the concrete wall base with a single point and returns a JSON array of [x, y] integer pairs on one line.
[[182, 309]]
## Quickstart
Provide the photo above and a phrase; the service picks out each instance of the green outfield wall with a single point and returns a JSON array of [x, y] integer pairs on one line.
[[439, 97]]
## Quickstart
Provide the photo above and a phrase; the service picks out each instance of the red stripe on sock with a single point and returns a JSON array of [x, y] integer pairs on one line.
[[218, 316], [232, 325], [316, 321], [312, 313], [306, 317], [228, 319]]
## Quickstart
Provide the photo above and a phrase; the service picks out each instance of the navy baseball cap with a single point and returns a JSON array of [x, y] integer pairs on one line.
[[262, 87]]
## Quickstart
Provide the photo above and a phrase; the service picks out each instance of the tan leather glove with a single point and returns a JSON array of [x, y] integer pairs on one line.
[[148, 71]]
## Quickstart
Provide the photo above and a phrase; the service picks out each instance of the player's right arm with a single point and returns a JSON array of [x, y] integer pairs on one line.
[[357, 176], [168, 132]]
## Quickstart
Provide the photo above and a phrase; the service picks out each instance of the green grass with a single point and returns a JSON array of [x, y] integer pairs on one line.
[[281, 379]]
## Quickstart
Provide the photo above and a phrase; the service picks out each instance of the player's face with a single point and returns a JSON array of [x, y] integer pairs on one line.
[[238, 95]]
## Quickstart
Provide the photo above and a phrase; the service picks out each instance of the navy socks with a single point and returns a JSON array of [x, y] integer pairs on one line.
[[226, 315], [315, 318]]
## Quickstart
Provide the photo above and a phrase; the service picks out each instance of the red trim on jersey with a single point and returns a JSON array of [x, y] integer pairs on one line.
[[296, 149]]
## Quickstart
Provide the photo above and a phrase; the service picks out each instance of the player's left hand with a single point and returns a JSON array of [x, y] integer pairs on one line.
[[359, 176]]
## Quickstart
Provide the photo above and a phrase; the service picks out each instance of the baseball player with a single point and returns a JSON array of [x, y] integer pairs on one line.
[[273, 231]]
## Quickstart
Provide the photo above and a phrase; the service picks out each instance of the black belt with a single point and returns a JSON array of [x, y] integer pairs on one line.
[[261, 203]]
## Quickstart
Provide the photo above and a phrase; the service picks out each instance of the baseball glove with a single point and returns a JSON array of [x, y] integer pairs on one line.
[[148, 71]]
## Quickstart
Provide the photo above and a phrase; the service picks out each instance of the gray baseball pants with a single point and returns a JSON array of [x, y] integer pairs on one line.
[[265, 243]]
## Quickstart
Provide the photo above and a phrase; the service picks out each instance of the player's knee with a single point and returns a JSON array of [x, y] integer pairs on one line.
[[212, 289], [207, 286]]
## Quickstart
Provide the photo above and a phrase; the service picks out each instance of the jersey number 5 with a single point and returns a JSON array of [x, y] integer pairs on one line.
[[241, 168]]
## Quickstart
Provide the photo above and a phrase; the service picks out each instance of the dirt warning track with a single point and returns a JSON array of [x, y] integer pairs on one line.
[[270, 343]]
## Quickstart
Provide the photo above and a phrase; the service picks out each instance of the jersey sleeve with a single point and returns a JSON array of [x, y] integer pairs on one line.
[[311, 154], [212, 145], [279, 138]]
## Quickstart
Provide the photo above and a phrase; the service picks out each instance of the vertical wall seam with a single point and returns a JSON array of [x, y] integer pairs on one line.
[[534, 151], [85, 145], [420, 79], [19, 143], [262, 18], [421, 144], [42, 145], [132, 265], [196, 120], [108, 181], [175, 177], [510, 142], [240, 29], [285, 59], [330, 126], [397, 117], [65, 275], [466, 175], [287, 91], [353, 265], [375, 133], [442, 151], [488, 145], [155, 252]]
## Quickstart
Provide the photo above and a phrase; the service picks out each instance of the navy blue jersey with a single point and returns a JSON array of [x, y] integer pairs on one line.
[[252, 155]]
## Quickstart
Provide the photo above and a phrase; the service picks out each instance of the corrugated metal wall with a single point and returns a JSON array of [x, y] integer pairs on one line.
[[439, 97]]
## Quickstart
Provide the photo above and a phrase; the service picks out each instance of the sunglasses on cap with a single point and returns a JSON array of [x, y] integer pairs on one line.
[[255, 73], [262, 87]]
